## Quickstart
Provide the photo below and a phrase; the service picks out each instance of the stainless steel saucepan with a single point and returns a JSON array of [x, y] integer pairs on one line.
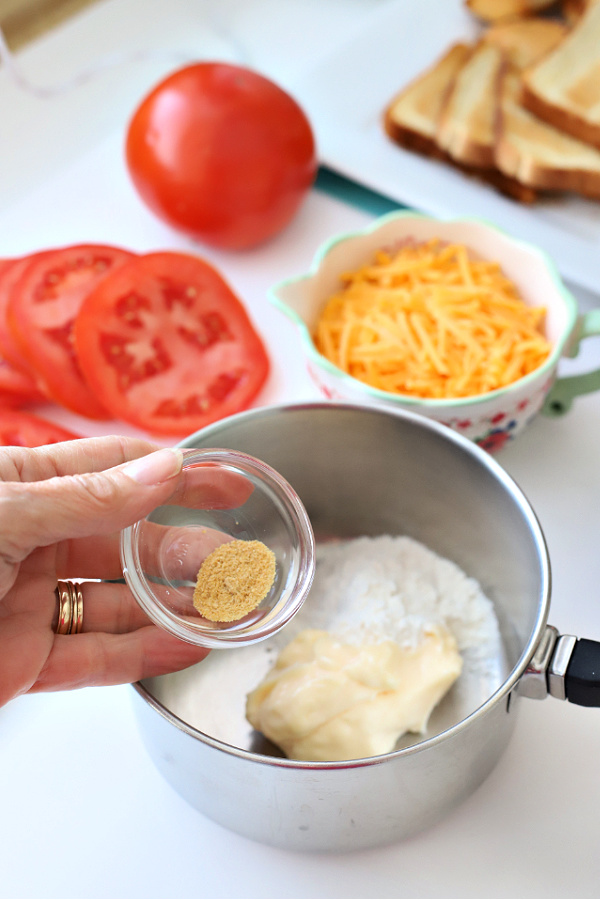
[[365, 471]]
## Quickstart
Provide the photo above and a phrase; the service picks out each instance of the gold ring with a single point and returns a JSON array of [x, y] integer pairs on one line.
[[70, 608]]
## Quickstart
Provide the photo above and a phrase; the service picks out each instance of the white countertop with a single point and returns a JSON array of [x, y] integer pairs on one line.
[[84, 813]]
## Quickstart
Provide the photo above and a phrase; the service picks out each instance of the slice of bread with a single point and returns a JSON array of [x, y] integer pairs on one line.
[[411, 118], [525, 41], [537, 154], [496, 10], [467, 120], [564, 87]]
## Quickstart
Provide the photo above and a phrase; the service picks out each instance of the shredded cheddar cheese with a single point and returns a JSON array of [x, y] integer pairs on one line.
[[430, 321]]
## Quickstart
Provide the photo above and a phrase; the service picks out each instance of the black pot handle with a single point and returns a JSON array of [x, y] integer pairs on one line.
[[565, 667], [582, 676]]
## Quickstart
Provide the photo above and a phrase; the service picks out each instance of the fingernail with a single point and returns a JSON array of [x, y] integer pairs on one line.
[[155, 468]]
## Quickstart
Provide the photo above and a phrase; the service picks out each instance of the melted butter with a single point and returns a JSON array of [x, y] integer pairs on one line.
[[324, 700]]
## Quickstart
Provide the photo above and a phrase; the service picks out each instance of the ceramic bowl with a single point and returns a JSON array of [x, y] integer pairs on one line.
[[488, 419]]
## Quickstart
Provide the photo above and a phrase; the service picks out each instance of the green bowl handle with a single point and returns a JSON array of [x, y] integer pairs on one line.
[[564, 390]]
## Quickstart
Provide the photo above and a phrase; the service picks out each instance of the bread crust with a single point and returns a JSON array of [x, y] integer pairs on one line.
[[557, 112], [561, 118], [522, 140], [409, 135], [412, 140]]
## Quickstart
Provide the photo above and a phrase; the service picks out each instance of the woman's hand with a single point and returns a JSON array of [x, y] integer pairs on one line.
[[61, 510]]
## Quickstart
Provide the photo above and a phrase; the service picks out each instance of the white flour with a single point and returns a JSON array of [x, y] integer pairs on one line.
[[376, 588]]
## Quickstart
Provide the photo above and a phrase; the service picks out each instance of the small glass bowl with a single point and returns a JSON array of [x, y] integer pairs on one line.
[[223, 494]]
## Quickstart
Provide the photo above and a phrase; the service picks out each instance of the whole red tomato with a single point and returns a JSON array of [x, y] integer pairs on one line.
[[221, 153]]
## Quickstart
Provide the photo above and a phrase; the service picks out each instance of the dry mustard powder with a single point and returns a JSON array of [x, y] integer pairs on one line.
[[233, 580]]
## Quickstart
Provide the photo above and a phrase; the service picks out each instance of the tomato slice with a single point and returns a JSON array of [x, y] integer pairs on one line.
[[5, 264], [16, 388], [10, 273], [167, 346], [42, 308], [22, 429], [18, 384]]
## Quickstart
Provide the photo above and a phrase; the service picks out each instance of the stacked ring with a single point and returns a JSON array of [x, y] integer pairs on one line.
[[70, 608]]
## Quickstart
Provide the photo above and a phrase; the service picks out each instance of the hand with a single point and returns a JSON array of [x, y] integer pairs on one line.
[[61, 510]]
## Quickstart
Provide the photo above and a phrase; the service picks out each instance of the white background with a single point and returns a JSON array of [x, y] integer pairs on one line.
[[83, 812]]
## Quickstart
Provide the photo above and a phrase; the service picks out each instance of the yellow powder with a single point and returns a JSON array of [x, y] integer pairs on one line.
[[233, 580]]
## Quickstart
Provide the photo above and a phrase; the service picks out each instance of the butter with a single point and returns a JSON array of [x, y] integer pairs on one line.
[[324, 700]]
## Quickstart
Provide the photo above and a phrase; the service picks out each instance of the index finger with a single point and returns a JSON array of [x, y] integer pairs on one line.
[[70, 457], [206, 486]]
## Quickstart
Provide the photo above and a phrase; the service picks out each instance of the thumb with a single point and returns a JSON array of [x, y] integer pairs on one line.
[[41, 513]]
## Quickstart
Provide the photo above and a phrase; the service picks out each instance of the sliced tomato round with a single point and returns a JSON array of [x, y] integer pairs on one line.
[[8, 269], [167, 346], [5, 264], [42, 308], [18, 382], [16, 388], [23, 429], [10, 274]]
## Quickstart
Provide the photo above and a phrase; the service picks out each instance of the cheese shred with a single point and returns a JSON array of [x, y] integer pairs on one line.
[[429, 321]]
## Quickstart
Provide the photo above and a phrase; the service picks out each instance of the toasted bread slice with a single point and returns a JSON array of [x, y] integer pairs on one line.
[[537, 154], [496, 10], [564, 88], [411, 118], [467, 123], [524, 42], [467, 120]]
